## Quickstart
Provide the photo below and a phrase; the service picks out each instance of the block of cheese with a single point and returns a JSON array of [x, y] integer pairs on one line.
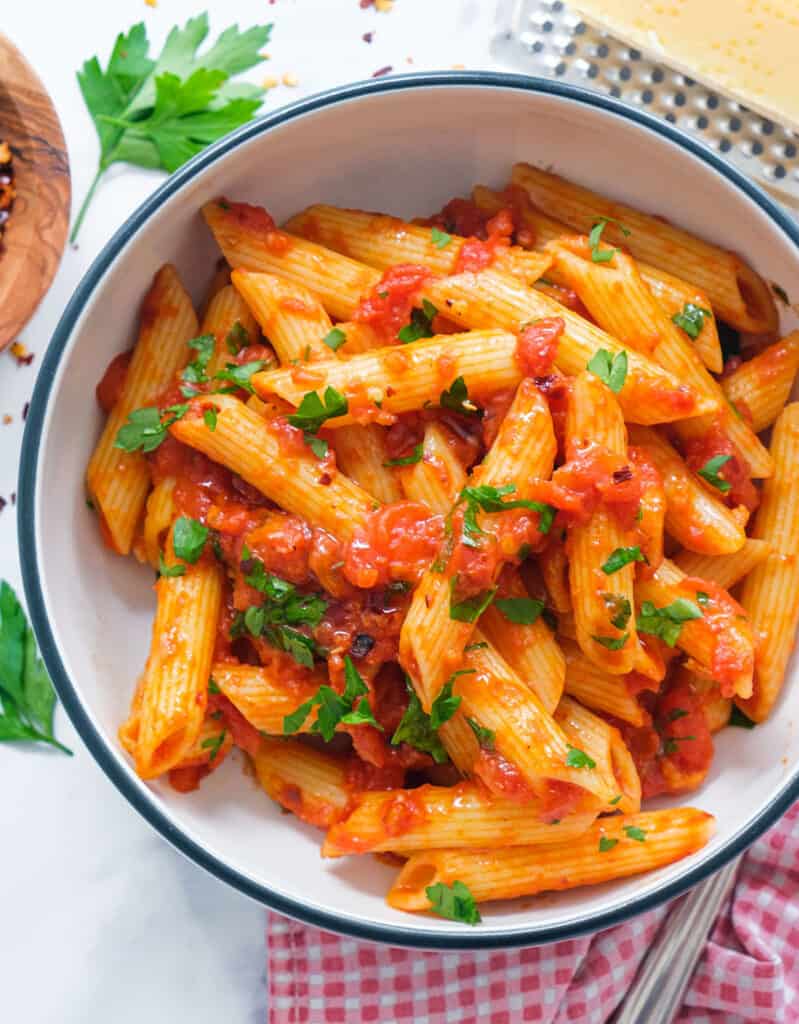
[[745, 49]]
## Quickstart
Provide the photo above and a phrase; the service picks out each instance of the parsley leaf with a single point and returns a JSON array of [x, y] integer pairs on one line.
[[577, 758], [445, 705], [605, 844], [240, 375], [439, 238], [470, 609], [486, 498], [160, 113], [621, 557], [188, 538], [178, 569], [146, 429], [611, 370], [194, 372], [27, 697], [312, 411], [237, 338], [485, 737], [666, 623], [415, 729], [214, 744], [676, 713], [408, 460], [209, 418], [603, 255], [710, 473], [691, 319], [456, 398], [635, 833], [739, 719], [612, 643], [702, 598], [523, 610], [213, 686], [334, 339], [619, 608], [421, 325], [454, 902], [333, 708]]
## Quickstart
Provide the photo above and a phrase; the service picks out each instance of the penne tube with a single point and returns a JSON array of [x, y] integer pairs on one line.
[[158, 517], [554, 567], [118, 481], [361, 453], [672, 293], [308, 782], [251, 447], [720, 641], [530, 649], [598, 690], [699, 521], [174, 693], [770, 593], [265, 694], [603, 743], [214, 742], [619, 301], [738, 295], [232, 325], [761, 386], [602, 603], [439, 476], [220, 278], [358, 337], [726, 570], [382, 241], [506, 872], [449, 817]]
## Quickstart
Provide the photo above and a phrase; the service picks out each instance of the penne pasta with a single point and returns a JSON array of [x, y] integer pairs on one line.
[[158, 517], [598, 690], [736, 292], [761, 386], [727, 570], [306, 781], [232, 325], [770, 593], [265, 694], [438, 477], [448, 817], [118, 481], [507, 872]]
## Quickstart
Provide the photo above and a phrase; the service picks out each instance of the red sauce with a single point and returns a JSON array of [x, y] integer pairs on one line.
[[242, 733], [113, 381], [559, 799], [713, 442], [362, 776], [502, 778], [652, 511], [402, 813], [283, 543], [461, 217], [397, 543], [495, 407], [730, 659], [256, 221], [538, 345], [557, 391], [388, 306], [186, 780], [476, 254]]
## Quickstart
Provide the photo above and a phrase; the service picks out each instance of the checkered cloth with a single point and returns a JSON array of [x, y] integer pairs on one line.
[[749, 970]]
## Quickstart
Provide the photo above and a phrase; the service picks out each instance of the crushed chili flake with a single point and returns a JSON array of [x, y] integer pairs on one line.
[[368, 37], [3, 504], [21, 354], [7, 190], [383, 71]]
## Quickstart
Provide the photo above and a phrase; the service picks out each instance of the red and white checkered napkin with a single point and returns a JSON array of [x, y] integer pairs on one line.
[[749, 970]]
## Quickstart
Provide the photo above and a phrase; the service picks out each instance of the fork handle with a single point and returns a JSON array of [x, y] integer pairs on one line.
[[656, 993]]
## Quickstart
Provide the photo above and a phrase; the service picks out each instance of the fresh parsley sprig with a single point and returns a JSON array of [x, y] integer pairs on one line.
[[158, 113], [595, 237], [485, 498], [27, 697], [666, 623], [421, 325], [334, 709], [710, 473], [313, 411], [415, 729], [147, 428], [454, 902], [611, 370], [456, 399]]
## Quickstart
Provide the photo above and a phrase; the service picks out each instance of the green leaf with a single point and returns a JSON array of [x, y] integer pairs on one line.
[[194, 372], [214, 744], [237, 338], [710, 473], [415, 729], [577, 758], [294, 722], [209, 418], [486, 498], [335, 339], [188, 539], [621, 557], [612, 643], [301, 647], [255, 620], [408, 460], [454, 902], [439, 238], [312, 411], [523, 610], [638, 834], [169, 570], [615, 799], [485, 737], [605, 844], [39, 695], [12, 644], [213, 686], [677, 713], [456, 398], [470, 609], [445, 705], [691, 319], [739, 719], [702, 598], [619, 609], [421, 325], [361, 715], [611, 370], [146, 428], [603, 255], [666, 623], [354, 686], [241, 375]]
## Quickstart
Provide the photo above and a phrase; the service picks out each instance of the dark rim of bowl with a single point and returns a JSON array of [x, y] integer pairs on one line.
[[102, 750]]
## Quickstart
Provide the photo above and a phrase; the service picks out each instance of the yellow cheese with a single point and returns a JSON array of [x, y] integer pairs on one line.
[[747, 49]]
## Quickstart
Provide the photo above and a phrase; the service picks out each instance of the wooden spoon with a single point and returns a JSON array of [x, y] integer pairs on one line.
[[36, 231]]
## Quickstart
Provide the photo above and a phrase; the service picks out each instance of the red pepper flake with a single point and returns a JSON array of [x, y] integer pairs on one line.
[[21, 354], [383, 71], [368, 37]]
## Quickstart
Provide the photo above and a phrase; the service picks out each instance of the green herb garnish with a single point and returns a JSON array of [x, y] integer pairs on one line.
[[577, 758], [456, 398], [621, 557], [611, 370], [522, 610], [454, 902], [710, 473], [691, 319], [666, 623], [408, 460]]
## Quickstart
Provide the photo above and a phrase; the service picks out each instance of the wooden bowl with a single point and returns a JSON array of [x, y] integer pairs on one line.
[[36, 231]]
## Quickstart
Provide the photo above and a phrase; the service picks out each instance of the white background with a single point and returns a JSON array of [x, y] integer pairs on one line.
[[100, 920]]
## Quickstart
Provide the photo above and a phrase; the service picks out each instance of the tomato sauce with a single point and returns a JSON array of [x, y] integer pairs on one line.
[[397, 543], [477, 253], [256, 221], [724, 618], [714, 442], [188, 778], [242, 733], [538, 345], [651, 514], [388, 306], [113, 381], [502, 778]]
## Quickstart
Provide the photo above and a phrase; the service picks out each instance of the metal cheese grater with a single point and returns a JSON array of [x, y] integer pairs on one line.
[[553, 41]]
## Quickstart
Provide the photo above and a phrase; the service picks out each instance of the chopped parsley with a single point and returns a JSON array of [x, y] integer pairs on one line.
[[671, 745], [739, 719], [480, 645], [334, 708], [470, 609], [313, 411], [213, 686], [485, 498], [445, 705], [577, 758], [456, 398], [606, 843], [169, 570], [439, 238], [619, 608], [633, 832], [421, 325], [522, 610], [213, 745], [676, 714], [710, 473], [408, 460], [334, 339], [237, 339], [612, 643], [240, 375], [415, 729], [666, 623], [611, 370], [621, 557], [145, 429], [702, 598], [454, 902], [615, 799], [209, 418], [603, 255], [485, 737], [188, 538], [691, 319], [194, 372]]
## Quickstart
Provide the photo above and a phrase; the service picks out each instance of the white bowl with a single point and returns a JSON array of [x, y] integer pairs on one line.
[[404, 145]]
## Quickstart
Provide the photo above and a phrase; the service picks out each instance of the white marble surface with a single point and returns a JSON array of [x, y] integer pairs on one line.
[[101, 920]]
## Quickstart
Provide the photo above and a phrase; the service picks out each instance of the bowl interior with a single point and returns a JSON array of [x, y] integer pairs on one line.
[[404, 150]]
